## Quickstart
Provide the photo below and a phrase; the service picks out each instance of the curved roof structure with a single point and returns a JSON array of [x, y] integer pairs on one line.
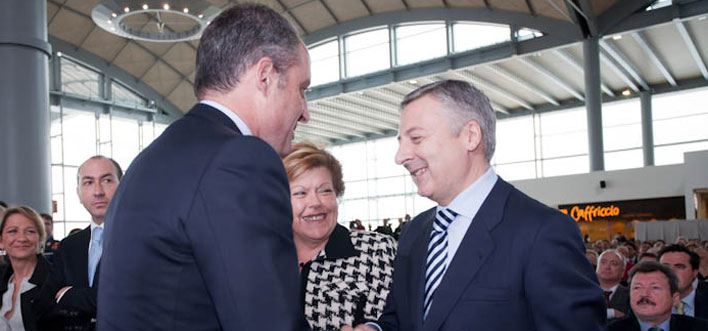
[[659, 50]]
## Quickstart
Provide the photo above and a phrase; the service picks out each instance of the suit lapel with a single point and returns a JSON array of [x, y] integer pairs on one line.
[[419, 254], [475, 248], [81, 262]]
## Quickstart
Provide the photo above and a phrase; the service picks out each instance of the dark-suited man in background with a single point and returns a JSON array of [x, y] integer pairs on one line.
[[693, 294], [67, 300], [488, 257], [653, 291], [199, 234], [610, 270]]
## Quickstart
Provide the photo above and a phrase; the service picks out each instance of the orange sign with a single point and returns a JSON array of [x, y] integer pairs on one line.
[[588, 213]]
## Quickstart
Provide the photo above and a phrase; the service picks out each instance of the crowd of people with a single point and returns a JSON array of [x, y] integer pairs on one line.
[[222, 224]]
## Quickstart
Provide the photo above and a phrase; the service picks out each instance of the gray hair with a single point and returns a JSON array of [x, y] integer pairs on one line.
[[236, 40], [466, 103], [621, 257]]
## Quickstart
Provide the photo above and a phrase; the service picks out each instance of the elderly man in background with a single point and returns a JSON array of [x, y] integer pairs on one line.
[[610, 268]]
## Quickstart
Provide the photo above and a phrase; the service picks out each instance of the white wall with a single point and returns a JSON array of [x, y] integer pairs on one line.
[[630, 184]]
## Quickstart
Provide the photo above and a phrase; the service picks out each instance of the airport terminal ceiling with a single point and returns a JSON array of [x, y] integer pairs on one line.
[[538, 68]]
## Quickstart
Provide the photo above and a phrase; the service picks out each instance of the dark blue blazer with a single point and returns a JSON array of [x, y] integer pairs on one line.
[[521, 266], [77, 307], [199, 235]]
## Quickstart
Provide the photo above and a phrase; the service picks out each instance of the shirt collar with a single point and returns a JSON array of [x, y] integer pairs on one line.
[[665, 325], [689, 299], [339, 245], [240, 124], [94, 225], [468, 202]]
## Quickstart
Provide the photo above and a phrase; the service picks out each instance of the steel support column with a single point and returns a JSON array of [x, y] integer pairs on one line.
[[593, 103], [647, 128], [25, 163]]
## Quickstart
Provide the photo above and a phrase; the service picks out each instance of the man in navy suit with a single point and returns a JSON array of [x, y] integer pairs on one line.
[[488, 257], [199, 234], [67, 300]]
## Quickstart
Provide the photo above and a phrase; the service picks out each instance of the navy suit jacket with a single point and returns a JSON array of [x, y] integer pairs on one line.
[[199, 235], [678, 323], [520, 266], [69, 268]]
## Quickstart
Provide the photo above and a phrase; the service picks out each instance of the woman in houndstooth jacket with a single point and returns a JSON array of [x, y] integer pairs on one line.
[[345, 275]]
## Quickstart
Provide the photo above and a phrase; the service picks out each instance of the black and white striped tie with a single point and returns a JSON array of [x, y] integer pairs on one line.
[[437, 256]]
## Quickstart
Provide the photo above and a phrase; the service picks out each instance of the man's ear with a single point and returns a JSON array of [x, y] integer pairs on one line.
[[266, 75], [472, 133]]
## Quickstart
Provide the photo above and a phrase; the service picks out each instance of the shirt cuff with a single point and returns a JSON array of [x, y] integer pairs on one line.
[[374, 325], [62, 295], [610, 313]]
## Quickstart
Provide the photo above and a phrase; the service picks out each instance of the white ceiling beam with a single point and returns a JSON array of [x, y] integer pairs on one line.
[[624, 62], [691, 48], [644, 44], [552, 77], [521, 82], [616, 69], [466, 75], [565, 56]]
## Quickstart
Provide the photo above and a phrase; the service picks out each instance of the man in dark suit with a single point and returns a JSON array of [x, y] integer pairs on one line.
[[610, 270], [67, 300], [488, 257], [199, 234], [693, 294], [653, 293]]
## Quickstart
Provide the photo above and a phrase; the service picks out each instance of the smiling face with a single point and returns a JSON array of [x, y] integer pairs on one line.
[[435, 156], [650, 297], [288, 105], [98, 180], [314, 204], [20, 237]]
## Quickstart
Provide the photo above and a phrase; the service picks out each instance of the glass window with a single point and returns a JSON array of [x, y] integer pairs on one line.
[[325, 62], [77, 79], [123, 95], [566, 166], [79, 128], [415, 43], [624, 159], [563, 133], [672, 154], [367, 52], [126, 144], [467, 36], [516, 171], [525, 34], [515, 140]]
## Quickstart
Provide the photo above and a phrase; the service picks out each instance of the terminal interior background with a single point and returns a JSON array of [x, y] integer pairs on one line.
[[112, 94]]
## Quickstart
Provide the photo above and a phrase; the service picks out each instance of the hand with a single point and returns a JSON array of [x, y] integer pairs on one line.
[[360, 327], [619, 314], [61, 292]]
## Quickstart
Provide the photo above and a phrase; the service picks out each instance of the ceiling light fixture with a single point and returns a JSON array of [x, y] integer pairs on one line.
[[626, 93], [617, 37], [155, 20]]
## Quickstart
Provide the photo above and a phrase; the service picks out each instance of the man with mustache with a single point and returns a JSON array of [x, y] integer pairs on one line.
[[68, 297], [653, 291]]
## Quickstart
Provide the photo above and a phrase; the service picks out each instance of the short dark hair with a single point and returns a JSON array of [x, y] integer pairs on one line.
[[693, 257], [47, 217], [3, 204], [116, 166], [646, 267], [467, 103], [237, 39], [643, 255]]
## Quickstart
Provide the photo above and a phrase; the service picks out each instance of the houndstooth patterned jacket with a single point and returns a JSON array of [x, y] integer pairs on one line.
[[348, 282]]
